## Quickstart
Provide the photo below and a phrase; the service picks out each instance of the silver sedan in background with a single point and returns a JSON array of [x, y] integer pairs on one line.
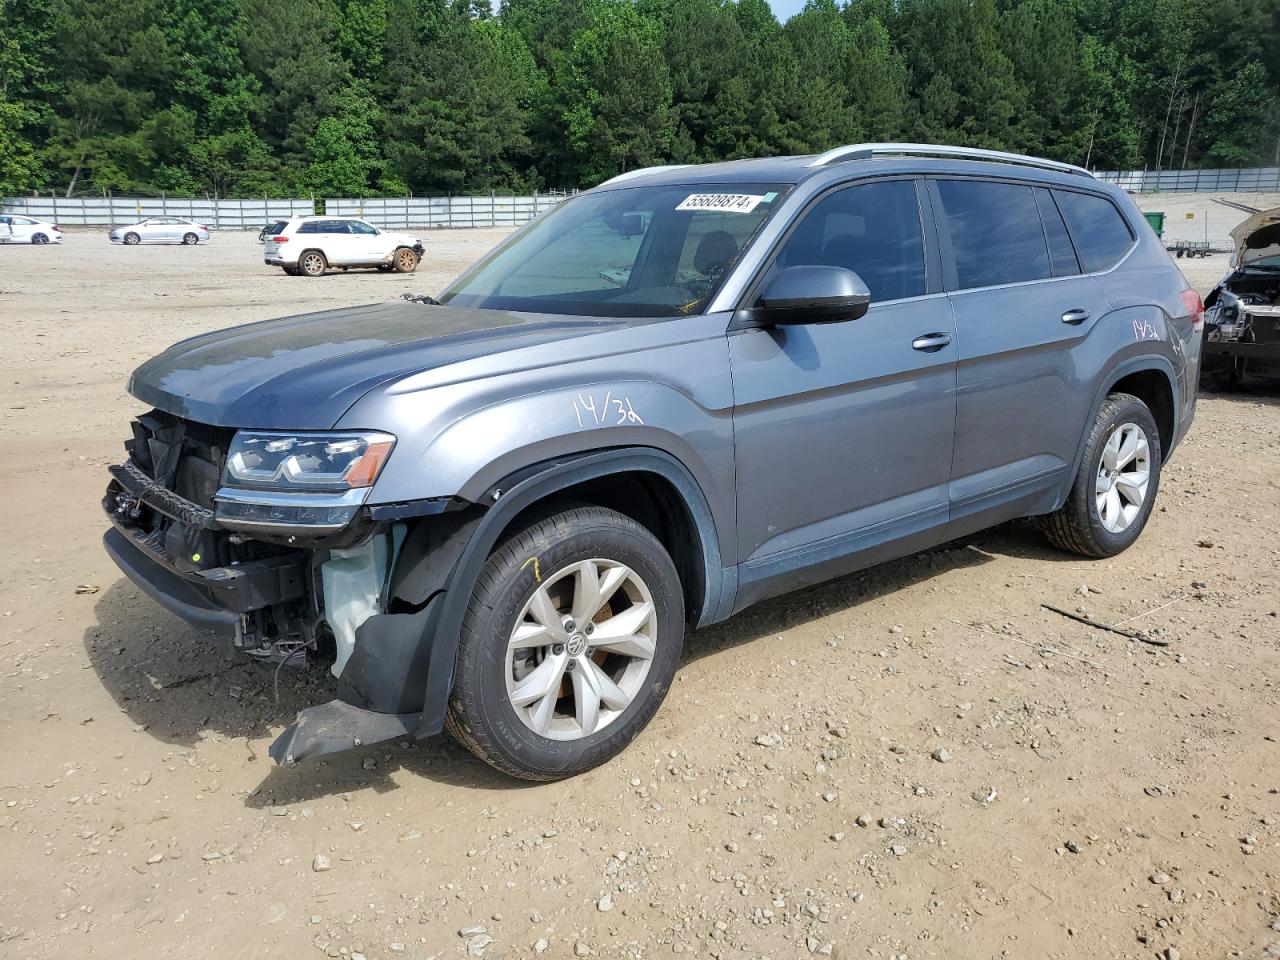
[[160, 230]]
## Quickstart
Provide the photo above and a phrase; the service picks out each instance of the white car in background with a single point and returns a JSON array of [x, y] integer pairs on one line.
[[160, 230], [309, 246], [15, 228]]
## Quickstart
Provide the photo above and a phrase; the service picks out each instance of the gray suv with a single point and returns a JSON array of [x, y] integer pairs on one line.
[[671, 397]]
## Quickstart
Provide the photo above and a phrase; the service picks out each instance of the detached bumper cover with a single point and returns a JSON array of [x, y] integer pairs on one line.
[[336, 726]]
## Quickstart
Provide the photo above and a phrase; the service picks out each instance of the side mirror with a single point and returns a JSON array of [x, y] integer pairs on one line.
[[812, 294]]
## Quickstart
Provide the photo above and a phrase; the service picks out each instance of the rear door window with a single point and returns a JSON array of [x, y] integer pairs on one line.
[[1062, 255], [1102, 237], [996, 236], [872, 229]]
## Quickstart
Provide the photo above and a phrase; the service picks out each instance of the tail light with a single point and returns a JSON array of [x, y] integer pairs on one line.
[[57, 228], [1195, 309], [278, 239]]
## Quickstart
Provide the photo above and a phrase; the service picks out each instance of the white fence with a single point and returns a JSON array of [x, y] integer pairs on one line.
[[1244, 180], [483, 211], [105, 211]]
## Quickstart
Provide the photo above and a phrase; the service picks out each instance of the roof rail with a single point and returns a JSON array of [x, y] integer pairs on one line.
[[865, 151], [641, 171]]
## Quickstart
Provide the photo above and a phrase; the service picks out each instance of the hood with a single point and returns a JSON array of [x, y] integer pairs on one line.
[[304, 372], [1257, 237]]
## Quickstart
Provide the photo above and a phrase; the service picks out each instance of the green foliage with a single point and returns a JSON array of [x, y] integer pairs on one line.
[[361, 97]]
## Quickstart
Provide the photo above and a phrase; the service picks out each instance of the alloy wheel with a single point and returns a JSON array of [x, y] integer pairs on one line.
[[581, 649], [1124, 474]]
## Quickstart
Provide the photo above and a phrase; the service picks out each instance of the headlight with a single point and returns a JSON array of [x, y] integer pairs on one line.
[[330, 462], [314, 482]]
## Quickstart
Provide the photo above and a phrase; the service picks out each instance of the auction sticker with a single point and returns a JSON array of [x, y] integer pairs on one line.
[[721, 202]]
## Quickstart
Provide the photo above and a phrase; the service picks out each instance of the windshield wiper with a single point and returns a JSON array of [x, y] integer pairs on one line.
[[421, 298]]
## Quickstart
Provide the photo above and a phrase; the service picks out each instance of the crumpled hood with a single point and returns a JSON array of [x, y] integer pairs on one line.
[[304, 372], [1257, 237]]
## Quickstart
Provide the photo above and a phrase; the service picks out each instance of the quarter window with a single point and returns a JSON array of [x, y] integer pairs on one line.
[[872, 229], [996, 237], [1102, 237]]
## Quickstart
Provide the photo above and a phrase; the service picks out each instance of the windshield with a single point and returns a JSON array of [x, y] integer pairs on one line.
[[634, 252]]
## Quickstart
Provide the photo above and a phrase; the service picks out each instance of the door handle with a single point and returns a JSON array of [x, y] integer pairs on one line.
[[931, 342], [1076, 316]]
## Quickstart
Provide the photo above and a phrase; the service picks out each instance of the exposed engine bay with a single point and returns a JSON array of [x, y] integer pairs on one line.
[[1242, 314], [1245, 308]]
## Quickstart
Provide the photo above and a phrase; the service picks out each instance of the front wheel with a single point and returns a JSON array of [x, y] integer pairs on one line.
[[1115, 487], [132, 238], [405, 260], [568, 646]]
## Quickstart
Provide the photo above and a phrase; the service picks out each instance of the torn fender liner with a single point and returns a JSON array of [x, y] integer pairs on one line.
[[387, 669], [336, 726]]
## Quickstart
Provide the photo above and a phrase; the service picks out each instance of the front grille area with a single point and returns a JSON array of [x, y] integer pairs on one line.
[[163, 495], [180, 455]]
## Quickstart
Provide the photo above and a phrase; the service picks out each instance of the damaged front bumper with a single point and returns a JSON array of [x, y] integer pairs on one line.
[[167, 546]]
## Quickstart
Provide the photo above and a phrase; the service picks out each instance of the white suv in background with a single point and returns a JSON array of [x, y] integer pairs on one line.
[[311, 245]]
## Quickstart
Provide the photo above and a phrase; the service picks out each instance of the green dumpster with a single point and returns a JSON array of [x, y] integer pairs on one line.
[[1156, 219]]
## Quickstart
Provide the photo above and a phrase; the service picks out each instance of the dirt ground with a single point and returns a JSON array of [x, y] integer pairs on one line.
[[919, 761]]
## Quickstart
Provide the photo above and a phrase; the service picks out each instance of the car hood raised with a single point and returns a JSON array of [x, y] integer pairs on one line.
[[304, 372], [1257, 237]]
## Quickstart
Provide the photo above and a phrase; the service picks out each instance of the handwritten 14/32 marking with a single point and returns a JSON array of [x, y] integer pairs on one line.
[[1145, 330], [591, 414]]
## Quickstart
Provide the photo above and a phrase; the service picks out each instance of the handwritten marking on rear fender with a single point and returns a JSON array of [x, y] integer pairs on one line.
[[609, 411], [1145, 330]]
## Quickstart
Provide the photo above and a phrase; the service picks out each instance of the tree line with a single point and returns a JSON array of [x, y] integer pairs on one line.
[[366, 97]]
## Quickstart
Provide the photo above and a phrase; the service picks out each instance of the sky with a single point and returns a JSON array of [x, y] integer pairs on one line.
[[783, 9]]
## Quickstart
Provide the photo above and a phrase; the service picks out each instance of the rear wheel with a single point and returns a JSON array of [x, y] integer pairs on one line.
[[132, 238], [568, 646], [189, 238], [39, 238], [312, 263], [405, 260], [1116, 484]]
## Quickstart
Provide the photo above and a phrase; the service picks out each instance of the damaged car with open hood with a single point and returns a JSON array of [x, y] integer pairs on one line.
[[668, 398], [1242, 313]]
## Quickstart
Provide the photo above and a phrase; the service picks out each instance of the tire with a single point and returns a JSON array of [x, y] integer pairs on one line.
[[312, 263], [1081, 526], [291, 271], [405, 260], [38, 238], [132, 239], [188, 239], [544, 561]]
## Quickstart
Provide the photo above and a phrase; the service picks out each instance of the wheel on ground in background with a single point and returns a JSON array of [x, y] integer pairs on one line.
[[189, 238], [405, 260], [1116, 485], [291, 271], [568, 646], [132, 238], [385, 267], [39, 238], [312, 263]]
